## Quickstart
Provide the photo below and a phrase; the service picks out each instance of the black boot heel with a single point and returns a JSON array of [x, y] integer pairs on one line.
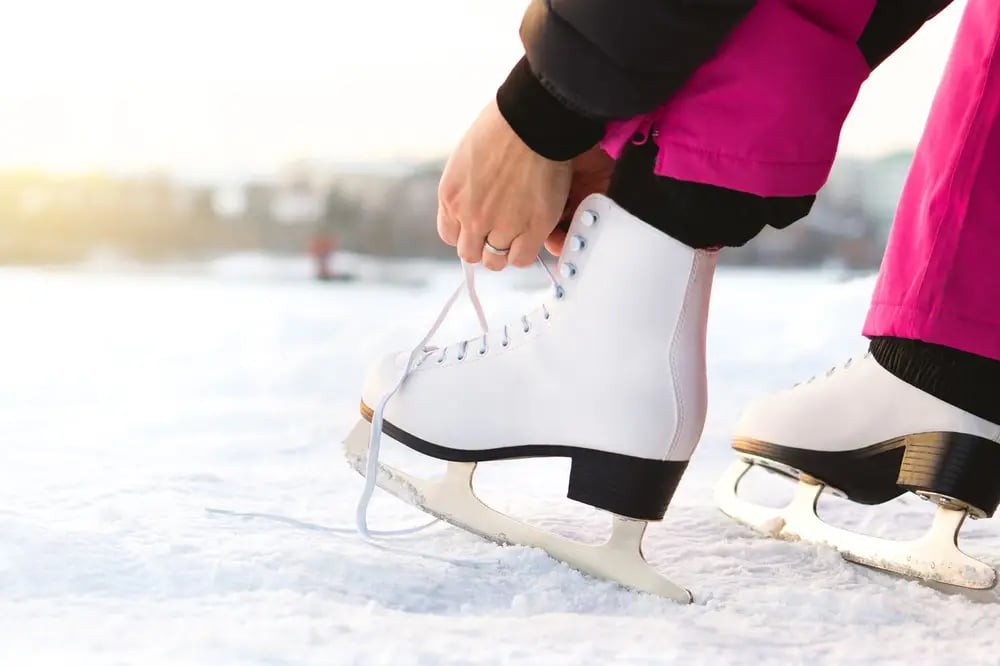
[[625, 485], [954, 468]]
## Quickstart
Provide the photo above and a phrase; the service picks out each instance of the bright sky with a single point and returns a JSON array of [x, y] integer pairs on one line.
[[226, 87]]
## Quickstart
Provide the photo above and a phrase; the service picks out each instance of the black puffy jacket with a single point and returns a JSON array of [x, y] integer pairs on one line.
[[588, 61]]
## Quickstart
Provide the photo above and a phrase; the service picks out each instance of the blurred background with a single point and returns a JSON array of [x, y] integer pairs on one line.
[[171, 133], [215, 213]]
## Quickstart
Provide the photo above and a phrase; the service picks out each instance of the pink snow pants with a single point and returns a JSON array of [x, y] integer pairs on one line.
[[764, 116], [940, 277]]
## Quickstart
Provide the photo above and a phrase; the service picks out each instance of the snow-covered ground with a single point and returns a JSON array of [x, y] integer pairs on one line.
[[170, 474]]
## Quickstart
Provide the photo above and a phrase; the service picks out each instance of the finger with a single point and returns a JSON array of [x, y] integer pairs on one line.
[[470, 245], [555, 242], [557, 237], [525, 249], [447, 226], [572, 203], [496, 262]]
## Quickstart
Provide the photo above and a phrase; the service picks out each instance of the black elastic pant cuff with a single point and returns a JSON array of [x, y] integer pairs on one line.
[[544, 123], [965, 380], [698, 215]]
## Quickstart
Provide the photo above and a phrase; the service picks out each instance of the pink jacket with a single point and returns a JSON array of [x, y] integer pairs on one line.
[[788, 119]]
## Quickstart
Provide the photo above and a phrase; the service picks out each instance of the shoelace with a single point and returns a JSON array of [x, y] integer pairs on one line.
[[417, 354], [842, 366]]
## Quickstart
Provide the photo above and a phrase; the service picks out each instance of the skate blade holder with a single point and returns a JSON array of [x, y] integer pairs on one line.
[[934, 557], [453, 500], [790, 472], [953, 503]]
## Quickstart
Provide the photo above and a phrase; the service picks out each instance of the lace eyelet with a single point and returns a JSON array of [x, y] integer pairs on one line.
[[567, 270], [560, 292], [588, 218], [505, 343], [526, 329], [577, 243], [546, 316], [460, 357], [482, 351]]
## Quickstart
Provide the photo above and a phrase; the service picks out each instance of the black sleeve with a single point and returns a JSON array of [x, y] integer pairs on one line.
[[892, 23], [588, 61]]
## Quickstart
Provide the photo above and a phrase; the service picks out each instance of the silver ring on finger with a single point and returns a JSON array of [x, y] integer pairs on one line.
[[500, 252]]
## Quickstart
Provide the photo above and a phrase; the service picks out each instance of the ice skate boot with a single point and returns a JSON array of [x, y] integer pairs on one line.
[[862, 433], [609, 371]]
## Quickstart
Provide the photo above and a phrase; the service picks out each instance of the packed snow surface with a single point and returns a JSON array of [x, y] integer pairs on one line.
[[172, 492]]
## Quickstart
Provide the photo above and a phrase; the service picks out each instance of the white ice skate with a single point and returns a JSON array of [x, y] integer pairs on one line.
[[864, 434], [609, 371]]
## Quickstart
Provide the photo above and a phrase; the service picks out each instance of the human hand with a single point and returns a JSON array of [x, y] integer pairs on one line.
[[495, 188], [591, 174]]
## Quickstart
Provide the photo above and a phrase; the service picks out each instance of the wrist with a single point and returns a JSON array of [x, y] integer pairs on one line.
[[541, 120]]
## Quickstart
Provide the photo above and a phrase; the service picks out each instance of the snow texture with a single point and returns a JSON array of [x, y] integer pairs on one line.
[[171, 485]]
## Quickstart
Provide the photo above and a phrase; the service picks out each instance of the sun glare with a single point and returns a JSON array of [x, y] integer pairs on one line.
[[225, 88]]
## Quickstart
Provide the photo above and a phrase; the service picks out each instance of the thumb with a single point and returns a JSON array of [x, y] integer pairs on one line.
[[554, 243]]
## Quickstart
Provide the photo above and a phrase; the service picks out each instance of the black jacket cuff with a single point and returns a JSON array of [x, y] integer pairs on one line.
[[541, 120]]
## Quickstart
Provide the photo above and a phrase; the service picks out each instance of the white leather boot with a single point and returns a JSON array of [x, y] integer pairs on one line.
[[869, 436], [608, 371]]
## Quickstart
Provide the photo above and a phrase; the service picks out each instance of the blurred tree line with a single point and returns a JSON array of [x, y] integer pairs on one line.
[[59, 219], [47, 218]]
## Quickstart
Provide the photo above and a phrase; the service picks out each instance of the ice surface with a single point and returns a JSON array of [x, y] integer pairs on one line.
[[132, 403]]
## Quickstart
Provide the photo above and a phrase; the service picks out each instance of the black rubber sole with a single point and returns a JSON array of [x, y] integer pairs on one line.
[[628, 486], [955, 465], [867, 475]]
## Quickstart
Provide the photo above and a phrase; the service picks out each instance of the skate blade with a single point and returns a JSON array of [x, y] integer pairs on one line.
[[933, 558], [452, 499], [981, 596]]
